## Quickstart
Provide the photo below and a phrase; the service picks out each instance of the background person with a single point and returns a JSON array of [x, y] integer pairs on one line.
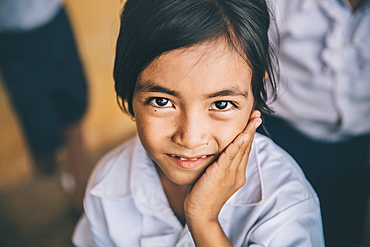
[[322, 112], [41, 69]]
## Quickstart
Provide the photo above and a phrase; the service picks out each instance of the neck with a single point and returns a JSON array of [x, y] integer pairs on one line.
[[175, 194]]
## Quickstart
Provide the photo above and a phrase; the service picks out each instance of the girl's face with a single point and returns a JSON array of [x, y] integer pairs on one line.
[[189, 104]]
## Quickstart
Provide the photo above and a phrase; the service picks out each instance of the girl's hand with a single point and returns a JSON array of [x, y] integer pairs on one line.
[[221, 180]]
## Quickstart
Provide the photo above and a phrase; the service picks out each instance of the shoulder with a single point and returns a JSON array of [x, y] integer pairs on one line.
[[289, 206], [279, 171], [272, 175], [110, 177], [270, 155], [276, 206], [268, 151]]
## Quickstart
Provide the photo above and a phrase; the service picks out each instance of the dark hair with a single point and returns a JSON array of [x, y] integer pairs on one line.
[[152, 27]]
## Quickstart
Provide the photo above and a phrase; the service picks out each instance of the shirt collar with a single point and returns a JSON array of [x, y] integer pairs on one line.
[[114, 177]]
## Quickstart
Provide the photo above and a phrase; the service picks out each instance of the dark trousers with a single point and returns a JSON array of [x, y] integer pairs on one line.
[[45, 79], [339, 172]]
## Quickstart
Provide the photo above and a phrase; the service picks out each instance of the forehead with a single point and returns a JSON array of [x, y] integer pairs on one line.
[[206, 66]]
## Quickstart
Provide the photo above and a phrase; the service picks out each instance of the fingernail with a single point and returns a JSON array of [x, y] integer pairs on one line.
[[245, 138], [258, 123]]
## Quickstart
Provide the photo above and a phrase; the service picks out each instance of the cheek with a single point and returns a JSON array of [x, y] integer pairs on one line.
[[145, 128], [147, 136], [152, 130]]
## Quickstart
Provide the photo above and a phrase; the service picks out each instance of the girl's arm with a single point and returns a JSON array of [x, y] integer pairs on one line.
[[219, 182]]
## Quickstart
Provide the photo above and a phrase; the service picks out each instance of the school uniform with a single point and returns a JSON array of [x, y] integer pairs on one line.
[[125, 204]]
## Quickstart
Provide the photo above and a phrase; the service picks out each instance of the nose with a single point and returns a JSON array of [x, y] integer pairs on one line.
[[191, 131]]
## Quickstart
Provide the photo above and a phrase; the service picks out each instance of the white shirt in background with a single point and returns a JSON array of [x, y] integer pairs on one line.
[[24, 15], [324, 56]]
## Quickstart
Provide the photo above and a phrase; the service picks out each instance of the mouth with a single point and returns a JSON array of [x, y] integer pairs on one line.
[[187, 163], [182, 158]]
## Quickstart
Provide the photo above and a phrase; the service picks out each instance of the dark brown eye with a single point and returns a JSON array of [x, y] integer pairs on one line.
[[221, 105], [161, 101]]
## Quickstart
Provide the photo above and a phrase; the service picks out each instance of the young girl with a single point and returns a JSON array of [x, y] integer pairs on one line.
[[192, 73]]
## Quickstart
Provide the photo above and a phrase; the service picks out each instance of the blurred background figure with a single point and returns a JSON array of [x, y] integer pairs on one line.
[[41, 69], [35, 210], [322, 113]]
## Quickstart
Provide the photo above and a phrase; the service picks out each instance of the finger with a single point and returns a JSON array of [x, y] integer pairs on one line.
[[239, 149], [254, 117], [245, 139], [241, 169], [255, 113], [232, 156], [247, 135], [230, 153], [249, 131], [234, 161]]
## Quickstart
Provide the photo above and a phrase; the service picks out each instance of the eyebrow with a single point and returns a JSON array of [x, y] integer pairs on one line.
[[228, 92], [150, 86]]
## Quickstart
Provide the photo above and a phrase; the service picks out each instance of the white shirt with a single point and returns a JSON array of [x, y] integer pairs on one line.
[[23, 15], [125, 204], [324, 56]]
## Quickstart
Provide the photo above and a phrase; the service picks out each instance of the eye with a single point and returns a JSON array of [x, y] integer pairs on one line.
[[160, 102], [222, 105]]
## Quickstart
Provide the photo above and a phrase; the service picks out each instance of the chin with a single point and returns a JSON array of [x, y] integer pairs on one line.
[[185, 179]]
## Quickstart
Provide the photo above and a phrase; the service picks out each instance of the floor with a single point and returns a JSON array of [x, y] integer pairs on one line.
[[35, 214]]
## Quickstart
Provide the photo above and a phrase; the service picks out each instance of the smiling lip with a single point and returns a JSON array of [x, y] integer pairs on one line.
[[189, 163]]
